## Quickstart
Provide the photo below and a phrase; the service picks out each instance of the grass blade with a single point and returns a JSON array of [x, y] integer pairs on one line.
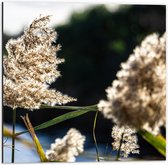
[[94, 136], [57, 120], [8, 133], [35, 139], [158, 142], [90, 108]]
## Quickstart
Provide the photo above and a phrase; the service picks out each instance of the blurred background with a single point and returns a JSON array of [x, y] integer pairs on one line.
[[95, 40]]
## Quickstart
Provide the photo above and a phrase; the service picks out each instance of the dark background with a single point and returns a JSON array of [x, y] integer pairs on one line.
[[94, 43]]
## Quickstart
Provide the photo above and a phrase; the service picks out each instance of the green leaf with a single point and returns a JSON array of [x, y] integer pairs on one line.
[[57, 120], [39, 149], [35, 139], [158, 141]]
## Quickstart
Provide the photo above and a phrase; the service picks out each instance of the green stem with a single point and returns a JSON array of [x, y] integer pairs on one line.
[[121, 141], [13, 133], [91, 107], [94, 136]]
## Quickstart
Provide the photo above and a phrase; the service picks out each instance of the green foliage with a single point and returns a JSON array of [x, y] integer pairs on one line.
[[90, 108], [157, 142], [61, 118], [118, 46], [35, 139], [39, 149]]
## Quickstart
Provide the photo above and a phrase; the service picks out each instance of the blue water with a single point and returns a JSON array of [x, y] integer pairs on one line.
[[25, 154]]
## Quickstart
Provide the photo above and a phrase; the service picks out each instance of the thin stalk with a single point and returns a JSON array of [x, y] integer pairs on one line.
[[91, 107], [119, 150], [13, 135], [35, 139], [94, 136]]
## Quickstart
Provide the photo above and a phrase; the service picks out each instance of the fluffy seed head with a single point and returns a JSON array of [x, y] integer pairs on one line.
[[65, 149], [125, 138], [138, 96], [30, 66]]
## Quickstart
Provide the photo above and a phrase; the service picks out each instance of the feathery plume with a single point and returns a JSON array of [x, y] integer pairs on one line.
[[31, 66], [125, 139], [138, 96], [65, 149]]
